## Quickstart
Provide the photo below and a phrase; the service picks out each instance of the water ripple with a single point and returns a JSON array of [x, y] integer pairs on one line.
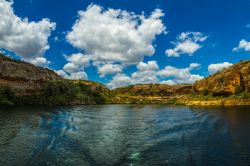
[[125, 135]]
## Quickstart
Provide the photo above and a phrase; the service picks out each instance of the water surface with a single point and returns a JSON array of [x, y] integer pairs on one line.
[[125, 135]]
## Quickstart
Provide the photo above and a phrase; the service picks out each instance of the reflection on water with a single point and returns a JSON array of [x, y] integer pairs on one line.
[[125, 135]]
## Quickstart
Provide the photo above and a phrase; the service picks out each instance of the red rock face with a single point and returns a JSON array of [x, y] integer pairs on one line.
[[234, 79]]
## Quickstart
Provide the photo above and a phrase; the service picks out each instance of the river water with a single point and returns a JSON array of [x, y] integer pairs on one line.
[[128, 135]]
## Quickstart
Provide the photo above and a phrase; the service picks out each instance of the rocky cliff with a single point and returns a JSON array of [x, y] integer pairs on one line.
[[233, 80], [24, 83], [230, 86], [24, 78]]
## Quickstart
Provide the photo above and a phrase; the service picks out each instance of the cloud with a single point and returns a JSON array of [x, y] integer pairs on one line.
[[149, 72], [186, 43], [109, 69], [116, 35], [27, 39], [194, 65], [76, 62], [79, 59], [81, 75], [151, 65], [243, 45], [74, 69], [180, 76], [71, 68], [39, 61], [78, 76], [168, 82], [62, 73], [146, 73], [120, 80], [214, 68]]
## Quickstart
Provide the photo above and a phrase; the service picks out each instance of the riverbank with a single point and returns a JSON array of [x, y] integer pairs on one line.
[[182, 100], [222, 102]]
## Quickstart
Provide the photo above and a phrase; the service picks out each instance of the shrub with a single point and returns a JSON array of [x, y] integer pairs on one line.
[[205, 92], [245, 95], [238, 89], [7, 96]]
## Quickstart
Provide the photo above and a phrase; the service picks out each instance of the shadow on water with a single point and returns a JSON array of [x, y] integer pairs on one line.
[[125, 135]]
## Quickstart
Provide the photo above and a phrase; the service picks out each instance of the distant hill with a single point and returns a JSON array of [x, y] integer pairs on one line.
[[151, 94], [154, 90]]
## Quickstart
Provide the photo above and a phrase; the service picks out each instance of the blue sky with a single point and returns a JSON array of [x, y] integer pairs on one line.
[[197, 34]]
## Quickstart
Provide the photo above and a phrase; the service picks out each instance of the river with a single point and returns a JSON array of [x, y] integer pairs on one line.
[[124, 135]]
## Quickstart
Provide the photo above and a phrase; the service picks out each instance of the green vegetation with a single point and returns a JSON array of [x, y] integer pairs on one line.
[[210, 96], [238, 89], [205, 92], [86, 92], [242, 95], [6, 96], [153, 90], [59, 93]]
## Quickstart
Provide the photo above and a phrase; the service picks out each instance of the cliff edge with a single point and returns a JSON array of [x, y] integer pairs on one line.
[[233, 80]]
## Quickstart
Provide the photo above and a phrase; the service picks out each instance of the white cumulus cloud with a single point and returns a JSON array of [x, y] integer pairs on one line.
[[81, 75], [146, 73], [120, 80], [180, 75], [168, 82], [109, 69], [149, 72], [186, 43], [151, 65], [62, 73], [74, 69], [70, 68], [243, 45], [214, 68], [116, 35], [39, 61], [25, 38], [79, 59]]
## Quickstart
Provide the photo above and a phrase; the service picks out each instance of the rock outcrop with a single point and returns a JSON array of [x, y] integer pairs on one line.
[[22, 83], [24, 78], [233, 80]]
